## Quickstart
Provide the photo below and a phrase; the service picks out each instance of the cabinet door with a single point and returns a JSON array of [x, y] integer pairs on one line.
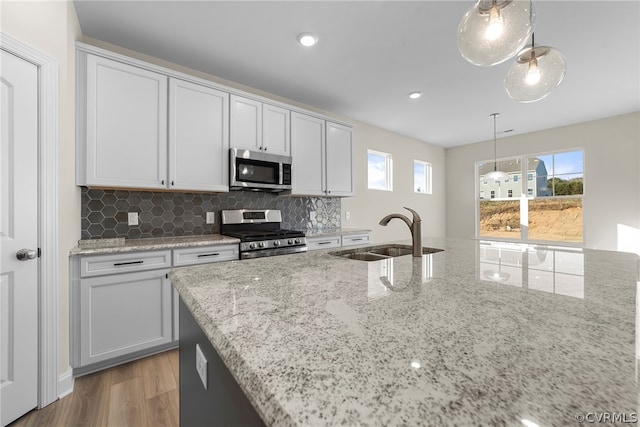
[[246, 123], [126, 125], [124, 313], [276, 131], [339, 161], [307, 150], [198, 137]]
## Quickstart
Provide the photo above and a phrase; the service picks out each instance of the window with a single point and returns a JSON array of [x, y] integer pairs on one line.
[[421, 177], [379, 171], [549, 199]]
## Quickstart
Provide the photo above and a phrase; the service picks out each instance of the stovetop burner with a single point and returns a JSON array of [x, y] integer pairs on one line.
[[260, 233], [255, 235]]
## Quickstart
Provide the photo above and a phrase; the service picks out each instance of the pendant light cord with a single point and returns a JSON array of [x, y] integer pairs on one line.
[[495, 152]]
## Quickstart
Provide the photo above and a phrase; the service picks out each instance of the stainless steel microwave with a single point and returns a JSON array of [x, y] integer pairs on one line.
[[253, 170]]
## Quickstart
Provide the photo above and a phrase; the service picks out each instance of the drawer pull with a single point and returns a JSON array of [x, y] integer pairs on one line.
[[357, 240], [118, 264], [324, 243], [206, 255]]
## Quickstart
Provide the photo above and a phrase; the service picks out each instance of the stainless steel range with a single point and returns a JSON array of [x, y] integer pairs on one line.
[[260, 233]]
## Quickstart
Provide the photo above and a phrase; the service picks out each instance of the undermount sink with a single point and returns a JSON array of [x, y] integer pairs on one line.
[[380, 252]]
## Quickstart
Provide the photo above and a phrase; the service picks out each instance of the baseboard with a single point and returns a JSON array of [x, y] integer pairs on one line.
[[65, 384]]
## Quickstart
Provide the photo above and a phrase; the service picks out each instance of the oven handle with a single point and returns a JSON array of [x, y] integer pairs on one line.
[[273, 252]]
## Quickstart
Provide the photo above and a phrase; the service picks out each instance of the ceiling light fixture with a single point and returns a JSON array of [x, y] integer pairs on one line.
[[536, 73], [415, 95], [307, 39], [495, 174], [493, 31]]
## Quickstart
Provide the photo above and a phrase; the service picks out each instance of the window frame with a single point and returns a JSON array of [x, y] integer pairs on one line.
[[525, 196], [388, 172], [428, 176]]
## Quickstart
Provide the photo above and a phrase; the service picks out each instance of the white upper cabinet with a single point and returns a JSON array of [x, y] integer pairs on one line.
[[125, 127], [246, 123], [276, 130], [339, 160], [322, 157], [259, 127], [198, 137], [307, 150]]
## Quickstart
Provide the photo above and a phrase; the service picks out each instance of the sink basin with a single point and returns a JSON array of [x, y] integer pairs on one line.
[[380, 252], [364, 256], [392, 251]]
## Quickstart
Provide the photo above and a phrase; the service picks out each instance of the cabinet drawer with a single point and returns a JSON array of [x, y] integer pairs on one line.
[[101, 265], [206, 254], [317, 243], [355, 239]]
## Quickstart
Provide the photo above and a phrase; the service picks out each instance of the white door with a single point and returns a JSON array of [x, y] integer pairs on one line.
[[18, 230], [198, 137], [339, 160], [246, 123], [307, 150]]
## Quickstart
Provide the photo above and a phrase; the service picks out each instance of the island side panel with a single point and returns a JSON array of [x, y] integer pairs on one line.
[[223, 403]]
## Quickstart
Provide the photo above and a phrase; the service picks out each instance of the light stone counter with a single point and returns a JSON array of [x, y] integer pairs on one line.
[[480, 334], [337, 232], [115, 246]]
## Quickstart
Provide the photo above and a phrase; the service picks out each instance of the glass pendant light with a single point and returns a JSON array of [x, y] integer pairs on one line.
[[536, 73], [493, 31], [496, 175]]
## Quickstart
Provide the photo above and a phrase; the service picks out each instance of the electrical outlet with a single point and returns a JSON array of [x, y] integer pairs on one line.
[[133, 218], [313, 214], [201, 365], [347, 215], [211, 217]]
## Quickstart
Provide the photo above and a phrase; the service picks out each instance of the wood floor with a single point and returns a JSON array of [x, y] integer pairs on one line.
[[138, 394]]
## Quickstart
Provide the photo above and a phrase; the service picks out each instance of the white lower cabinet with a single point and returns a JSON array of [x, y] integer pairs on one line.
[[123, 305], [317, 243], [122, 314]]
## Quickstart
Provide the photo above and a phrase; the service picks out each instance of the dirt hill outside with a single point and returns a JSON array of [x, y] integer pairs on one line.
[[553, 220]]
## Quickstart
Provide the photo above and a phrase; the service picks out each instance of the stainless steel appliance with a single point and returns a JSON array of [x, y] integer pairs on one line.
[[253, 170], [260, 233]]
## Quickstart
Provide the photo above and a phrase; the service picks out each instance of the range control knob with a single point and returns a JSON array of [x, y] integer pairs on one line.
[[261, 244], [252, 245], [276, 243], [290, 242], [297, 240]]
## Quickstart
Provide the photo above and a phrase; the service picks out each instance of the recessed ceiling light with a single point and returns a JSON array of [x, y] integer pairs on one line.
[[307, 39], [415, 95]]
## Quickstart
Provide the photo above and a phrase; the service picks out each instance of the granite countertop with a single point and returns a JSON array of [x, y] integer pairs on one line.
[[337, 232], [121, 245], [480, 334]]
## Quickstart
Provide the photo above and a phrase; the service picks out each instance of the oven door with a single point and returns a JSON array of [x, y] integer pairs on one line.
[[272, 252], [250, 169]]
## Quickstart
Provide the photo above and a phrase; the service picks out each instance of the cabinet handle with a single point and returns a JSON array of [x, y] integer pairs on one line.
[[118, 264], [323, 243], [357, 240], [206, 255], [172, 184], [265, 148], [162, 182]]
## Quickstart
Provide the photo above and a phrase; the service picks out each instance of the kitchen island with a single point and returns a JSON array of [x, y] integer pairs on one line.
[[483, 333]]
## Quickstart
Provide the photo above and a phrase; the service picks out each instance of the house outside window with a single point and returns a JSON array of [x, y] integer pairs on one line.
[[550, 197], [380, 170]]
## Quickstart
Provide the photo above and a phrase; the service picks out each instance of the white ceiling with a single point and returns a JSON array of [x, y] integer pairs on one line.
[[372, 54]]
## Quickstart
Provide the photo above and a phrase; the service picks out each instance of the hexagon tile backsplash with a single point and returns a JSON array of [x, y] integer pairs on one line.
[[164, 214]]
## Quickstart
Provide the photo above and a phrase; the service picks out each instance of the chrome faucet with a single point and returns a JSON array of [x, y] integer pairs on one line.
[[415, 227]]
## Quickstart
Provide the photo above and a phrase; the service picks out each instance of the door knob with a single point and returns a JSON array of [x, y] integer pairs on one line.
[[26, 254]]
